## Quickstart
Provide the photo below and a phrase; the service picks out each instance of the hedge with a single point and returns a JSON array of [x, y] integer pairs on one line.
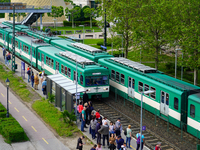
[[10, 129], [77, 23]]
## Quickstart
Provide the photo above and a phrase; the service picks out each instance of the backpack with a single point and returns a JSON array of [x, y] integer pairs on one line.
[[125, 132], [8, 57], [138, 140]]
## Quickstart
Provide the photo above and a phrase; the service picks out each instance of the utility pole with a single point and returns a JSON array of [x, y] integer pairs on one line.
[[105, 34], [13, 45]]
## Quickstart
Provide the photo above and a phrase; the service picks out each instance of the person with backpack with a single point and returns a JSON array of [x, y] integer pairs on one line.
[[138, 135], [44, 85], [118, 127], [83, 113], [158, 146], [29, 73], [80, 143], [128, 135]]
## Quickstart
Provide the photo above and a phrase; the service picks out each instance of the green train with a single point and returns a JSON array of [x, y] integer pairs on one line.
[[91, 76], [173, 100]]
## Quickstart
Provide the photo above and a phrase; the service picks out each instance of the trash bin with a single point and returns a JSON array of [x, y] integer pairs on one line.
[[15, 66]]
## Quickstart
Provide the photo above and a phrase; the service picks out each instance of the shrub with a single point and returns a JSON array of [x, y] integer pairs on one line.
[[100, 43], [51, 97], [67, 23], [68, 117]]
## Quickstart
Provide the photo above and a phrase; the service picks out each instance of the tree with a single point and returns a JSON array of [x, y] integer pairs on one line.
[[89, 12], [56, 12], [186, 14], [74, 13]]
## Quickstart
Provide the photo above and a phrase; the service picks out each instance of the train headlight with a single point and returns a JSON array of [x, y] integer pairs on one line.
[[88, 89], [104, 88]]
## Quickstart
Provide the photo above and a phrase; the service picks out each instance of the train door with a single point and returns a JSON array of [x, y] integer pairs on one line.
[[42, 61], [164, 103], [131, 87], [57, 67]]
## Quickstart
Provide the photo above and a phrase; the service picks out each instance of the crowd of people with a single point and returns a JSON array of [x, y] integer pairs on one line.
[[33, 78]]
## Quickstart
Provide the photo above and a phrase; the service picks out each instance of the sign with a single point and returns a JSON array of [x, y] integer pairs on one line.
[[98, 73], [143, 128], [23, 69], [103, 47]]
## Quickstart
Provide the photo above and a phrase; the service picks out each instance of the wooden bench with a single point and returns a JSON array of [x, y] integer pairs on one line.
[[88, 30], [89, 36], [68, 32], [78, 31]]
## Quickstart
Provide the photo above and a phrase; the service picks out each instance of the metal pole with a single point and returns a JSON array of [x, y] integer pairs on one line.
[[7, 115], [141, 122], [31, 58], [13, 46], [41, 22], [175, 62], [5, 45], [83, 34], [112, 48], [182, 69], [76, 91], [105, 35], [122, 45]]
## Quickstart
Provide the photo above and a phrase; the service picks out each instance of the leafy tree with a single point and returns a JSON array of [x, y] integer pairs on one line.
[[89, 12], [56, 12], [74, 13]]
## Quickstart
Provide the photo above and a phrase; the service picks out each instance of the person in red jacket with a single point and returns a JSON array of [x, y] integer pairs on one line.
[[80, 108], [158, 146], [97, 114]]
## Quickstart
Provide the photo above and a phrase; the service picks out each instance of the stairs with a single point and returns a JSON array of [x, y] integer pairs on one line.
[[31, 18]]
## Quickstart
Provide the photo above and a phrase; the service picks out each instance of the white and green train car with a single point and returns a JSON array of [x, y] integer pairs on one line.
[[170, 100]]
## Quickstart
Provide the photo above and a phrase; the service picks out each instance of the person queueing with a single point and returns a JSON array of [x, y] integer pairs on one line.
[[119, 142], [112, 142], [80, 143], [98, 126], [80, 110], [85, 98], [99, 146], [158, 146], [44, 85], [118, 127], [93, 124], [32, 79], [29, 74], [94, 147], [128, 136], [83, 119], [111, 128], [97, 114], [105, 131]]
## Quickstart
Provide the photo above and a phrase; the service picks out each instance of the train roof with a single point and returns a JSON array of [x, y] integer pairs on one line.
[[151, 73], [195, 97]]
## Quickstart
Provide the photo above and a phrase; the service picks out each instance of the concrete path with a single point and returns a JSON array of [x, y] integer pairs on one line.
[[41, 138]]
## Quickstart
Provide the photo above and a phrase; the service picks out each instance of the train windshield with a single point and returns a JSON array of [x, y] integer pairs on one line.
[[96, 80]]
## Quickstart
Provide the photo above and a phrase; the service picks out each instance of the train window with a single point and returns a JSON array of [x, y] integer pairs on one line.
[[34, 51], [57, 65], [105, 80], [38, 55], [62, 69], [96, 80], [167, 99], [81, 79], [52, 63], [69, 72], [140, 87], [20, 45], [47, 59], [1, 35], [192, 111], [16, 43], [113, 74], [66, 71], [175, 103], [162, 97], [146, 88], [117, 76], [122, 78], [153, 95]]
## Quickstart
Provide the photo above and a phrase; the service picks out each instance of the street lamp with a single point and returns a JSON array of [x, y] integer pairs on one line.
[[83, 31], [7, 83], [176, 63], [142, 93], [122, 42]]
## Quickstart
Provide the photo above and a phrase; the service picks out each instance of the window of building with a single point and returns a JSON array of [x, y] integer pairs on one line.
[[66, 71], [153, 95], [38, 55], [175, 103], [47, 59], [117, 76], [62, 69], [140, 87], [192, 111], [113, 74], [122, 78], [69, 72], [81, 79], [146, 88]]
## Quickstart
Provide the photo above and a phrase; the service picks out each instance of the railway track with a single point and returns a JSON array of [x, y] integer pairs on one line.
[[156, 128]]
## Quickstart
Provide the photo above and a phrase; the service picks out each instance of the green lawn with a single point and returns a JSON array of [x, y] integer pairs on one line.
[[96, 29]]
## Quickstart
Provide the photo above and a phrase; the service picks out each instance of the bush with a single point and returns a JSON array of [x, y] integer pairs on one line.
[[100, 43], [67, 23], [116, 53]]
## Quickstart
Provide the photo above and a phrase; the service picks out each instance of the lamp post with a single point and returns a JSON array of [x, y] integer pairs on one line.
[[176, 63], [122, 42], [83, 31], [76, 90], [142, 93], [7, 83]]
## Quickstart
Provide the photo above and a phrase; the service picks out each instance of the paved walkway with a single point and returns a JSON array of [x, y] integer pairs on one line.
[[41, 138]]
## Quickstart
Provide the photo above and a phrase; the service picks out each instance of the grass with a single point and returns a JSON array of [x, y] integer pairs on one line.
[[53, 117], [16, 84]]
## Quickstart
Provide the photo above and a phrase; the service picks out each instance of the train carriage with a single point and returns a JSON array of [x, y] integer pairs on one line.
[[131, 78]]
